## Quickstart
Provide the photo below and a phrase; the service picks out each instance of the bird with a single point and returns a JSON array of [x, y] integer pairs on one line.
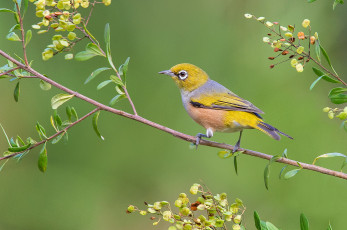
[[215, 107]]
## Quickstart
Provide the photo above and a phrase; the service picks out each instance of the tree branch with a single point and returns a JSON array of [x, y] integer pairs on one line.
[[53, 136], [22, 34], [175, 133]]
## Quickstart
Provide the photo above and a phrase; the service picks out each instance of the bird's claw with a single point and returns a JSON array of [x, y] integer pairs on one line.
[[198, 138]]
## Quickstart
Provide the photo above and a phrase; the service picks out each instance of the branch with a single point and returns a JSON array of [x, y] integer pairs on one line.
[[175, 133], [22, 34], [51, 137]]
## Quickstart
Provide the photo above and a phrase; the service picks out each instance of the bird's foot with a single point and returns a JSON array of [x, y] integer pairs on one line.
[[198, 138], [236, 147]]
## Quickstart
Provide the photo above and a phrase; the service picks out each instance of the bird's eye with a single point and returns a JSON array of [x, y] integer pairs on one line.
[[182, 74]]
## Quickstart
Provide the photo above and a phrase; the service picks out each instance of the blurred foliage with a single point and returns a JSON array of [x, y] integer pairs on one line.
[[88, 182]]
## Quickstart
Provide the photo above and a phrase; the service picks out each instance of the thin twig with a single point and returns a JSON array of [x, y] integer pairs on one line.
[[175, 133], [9, 71], [22, 33], [53, 136]]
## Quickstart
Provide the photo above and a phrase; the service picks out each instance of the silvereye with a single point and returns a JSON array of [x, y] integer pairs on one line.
[[215, 107]]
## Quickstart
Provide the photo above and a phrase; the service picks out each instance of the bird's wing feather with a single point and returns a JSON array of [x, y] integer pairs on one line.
[[224, 101]]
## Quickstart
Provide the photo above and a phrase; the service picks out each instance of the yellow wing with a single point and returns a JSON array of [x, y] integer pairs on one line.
[[224, 101]]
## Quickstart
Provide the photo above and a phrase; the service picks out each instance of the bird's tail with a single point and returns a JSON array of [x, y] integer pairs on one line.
[[270, 130]]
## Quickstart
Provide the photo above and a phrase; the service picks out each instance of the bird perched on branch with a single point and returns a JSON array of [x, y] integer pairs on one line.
[[215, 107]]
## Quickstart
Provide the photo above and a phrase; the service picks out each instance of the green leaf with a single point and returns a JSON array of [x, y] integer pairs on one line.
[[95, 73], [328, 155], [291, 173], [13, 143], [84, 56], [336, 95], [26, 3], [41, 130], [325, 55], [224, 154], [3, 130], [74, 113], [285, 154], [42, 162], [15, 27], [7, 10], [329, 227], [235, 165], [270, 226], [315, 82], [57, 118], [117, 98], [28, 37], [320, 73], [310, 1], [266, 176], [95, 125], [117, 80], [13, 37], [123, 69], [16, 92], [68, 112], [257, 221], [58, 138], [303, 222], [92, 48], [120, 89], [18, 149], [267, 170], [103, 84], [317, 49], [20, 140], [53, 124], [107, 36], [60, 99], [44, 85]]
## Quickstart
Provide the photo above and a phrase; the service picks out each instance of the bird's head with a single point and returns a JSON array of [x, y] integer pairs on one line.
[[188, 77]]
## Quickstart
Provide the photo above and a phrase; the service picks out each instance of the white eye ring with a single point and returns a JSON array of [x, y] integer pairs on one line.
[[182, 74]]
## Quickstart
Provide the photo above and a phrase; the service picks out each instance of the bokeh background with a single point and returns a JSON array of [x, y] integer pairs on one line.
[[89, 183]]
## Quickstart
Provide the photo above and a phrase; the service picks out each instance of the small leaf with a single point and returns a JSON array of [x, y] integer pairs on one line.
[[285, 154], [20, 140], [41, 130], [310, 1], [317, 49], [117, 98], [68, 112], [270, 226], [3, 130], [2, 166], [224, 154], [95, 125], [57, 138], [107, 36], [13, 143], [329, 227], [84, 56], [28, 36], [7, 10], [60, 99], [18, 149], [42, 162], [103, 84], [303, 222], [120, 89], [16, 92], [95, 73], [315, 82], [26, 3], [57, 119], [257, 221], [320, 73], [117, 80], [328, 155], [74, 113], [336, 95], [291, 173], [13, 37], [123, 69], [235, 165], [53, 124], [44, 85], [91, 47], [325, 54], [266, 176], [15, 27]]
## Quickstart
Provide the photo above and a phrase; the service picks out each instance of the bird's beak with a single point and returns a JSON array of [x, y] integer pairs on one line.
[[168, 72]]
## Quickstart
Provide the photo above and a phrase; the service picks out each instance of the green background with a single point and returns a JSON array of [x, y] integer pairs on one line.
[[89, 182]]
